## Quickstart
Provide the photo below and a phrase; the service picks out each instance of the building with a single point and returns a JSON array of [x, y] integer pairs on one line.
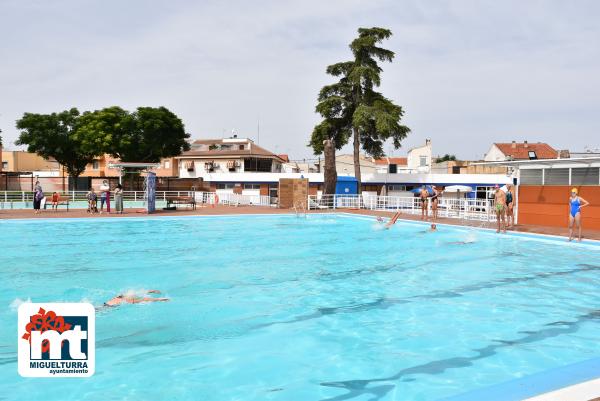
[[520, 151], [419, 159], [391, 165], [20, 161], [232, 165], [544, 187]]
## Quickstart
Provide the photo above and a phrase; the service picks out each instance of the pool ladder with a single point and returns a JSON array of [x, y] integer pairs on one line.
[[300, 209]]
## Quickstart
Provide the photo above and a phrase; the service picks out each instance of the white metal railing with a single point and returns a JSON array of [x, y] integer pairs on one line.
[[463, 208], [10, 199]]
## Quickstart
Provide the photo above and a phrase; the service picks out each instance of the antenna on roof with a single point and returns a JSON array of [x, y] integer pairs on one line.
[[258, 130]]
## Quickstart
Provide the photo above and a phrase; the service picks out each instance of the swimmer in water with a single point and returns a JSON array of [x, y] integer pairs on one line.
[[433, 227], [392, 220], [379, 219], [134, 299]]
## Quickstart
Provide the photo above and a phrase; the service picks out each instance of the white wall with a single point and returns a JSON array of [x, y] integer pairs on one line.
[[494, 155], [414, 158]]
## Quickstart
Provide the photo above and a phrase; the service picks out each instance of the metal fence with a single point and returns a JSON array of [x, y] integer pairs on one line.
[[24, 199], [466, 208]]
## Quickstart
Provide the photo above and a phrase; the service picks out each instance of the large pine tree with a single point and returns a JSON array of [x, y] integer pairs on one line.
[[353, 108]]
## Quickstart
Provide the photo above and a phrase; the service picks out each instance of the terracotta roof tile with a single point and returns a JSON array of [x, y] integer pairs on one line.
[[520, 151], [401, 161]]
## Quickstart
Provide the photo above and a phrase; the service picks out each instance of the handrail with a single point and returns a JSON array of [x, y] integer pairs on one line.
[[465, 208]]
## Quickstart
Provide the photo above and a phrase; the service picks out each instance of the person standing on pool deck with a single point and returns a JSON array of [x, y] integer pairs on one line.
[[500, 199], [434, 203], [119, 199], [38, 195], [104, 196], [575, 204], [424, 194], [510, 218]]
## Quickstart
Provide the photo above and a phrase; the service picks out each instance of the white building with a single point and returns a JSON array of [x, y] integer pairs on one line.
[[419, 159]]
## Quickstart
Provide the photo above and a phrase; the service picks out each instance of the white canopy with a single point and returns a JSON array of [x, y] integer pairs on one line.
[[458, 188]]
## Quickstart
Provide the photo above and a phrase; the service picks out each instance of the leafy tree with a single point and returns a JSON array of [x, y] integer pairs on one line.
[[374, 118], [146, 135], [55, 135], [445, 158], [333, 132]]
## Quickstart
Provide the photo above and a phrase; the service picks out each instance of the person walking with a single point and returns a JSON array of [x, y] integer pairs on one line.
[[119, 199], [38, 195], [576, 202], [104, 196]]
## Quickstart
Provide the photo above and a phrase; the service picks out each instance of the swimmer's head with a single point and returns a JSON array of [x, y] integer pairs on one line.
[[433, 226]]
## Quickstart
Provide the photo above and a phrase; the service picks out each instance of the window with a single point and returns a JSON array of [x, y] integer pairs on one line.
[[556, 176], [251, 186], [531, 176], [167, 164], [95, 165], [585, 176], [225, 185], [422, 161], [258, 165], [393, 168], [396, 187], [532, 155], [4, 165], [241, 147]]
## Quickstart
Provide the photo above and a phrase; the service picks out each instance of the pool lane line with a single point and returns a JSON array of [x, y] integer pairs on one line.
[[358, 387]]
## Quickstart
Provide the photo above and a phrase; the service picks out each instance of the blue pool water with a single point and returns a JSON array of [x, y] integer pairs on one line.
[[327, 307]]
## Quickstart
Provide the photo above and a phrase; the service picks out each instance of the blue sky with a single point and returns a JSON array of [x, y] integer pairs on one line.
[[467, 73]]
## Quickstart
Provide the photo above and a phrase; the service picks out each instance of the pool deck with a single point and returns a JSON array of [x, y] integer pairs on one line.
[[221, 210]]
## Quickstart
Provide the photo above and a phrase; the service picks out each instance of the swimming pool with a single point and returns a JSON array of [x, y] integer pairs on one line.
[[327, 307]]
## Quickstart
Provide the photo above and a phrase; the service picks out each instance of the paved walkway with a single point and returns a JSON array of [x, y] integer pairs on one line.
[[220, 209]]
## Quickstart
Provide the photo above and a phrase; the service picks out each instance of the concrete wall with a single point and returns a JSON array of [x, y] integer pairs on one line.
[[549, 205]]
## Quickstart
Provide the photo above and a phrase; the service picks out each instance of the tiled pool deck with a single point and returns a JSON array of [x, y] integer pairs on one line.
[[556, 385]]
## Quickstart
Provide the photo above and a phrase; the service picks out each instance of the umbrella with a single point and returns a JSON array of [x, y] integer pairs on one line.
[[418, 190], [458, 188]]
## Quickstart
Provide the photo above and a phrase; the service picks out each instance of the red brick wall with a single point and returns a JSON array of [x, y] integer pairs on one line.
[[549, 205]]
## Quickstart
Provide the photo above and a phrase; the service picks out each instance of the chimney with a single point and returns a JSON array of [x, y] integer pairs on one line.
[[513, 145], [525, 144]]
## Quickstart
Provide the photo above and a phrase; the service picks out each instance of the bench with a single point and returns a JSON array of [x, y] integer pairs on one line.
[[181, 200], [48, 204]]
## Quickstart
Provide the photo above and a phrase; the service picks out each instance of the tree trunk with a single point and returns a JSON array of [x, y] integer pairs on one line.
[[329, 171], [357, 158]]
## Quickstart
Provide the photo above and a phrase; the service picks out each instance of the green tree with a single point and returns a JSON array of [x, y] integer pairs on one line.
[[445, 158], [54, 136], [375, 119], [146, 135], [333, 131]]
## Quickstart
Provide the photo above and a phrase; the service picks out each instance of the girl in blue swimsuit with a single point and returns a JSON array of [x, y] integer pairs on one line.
[[575, 204]]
